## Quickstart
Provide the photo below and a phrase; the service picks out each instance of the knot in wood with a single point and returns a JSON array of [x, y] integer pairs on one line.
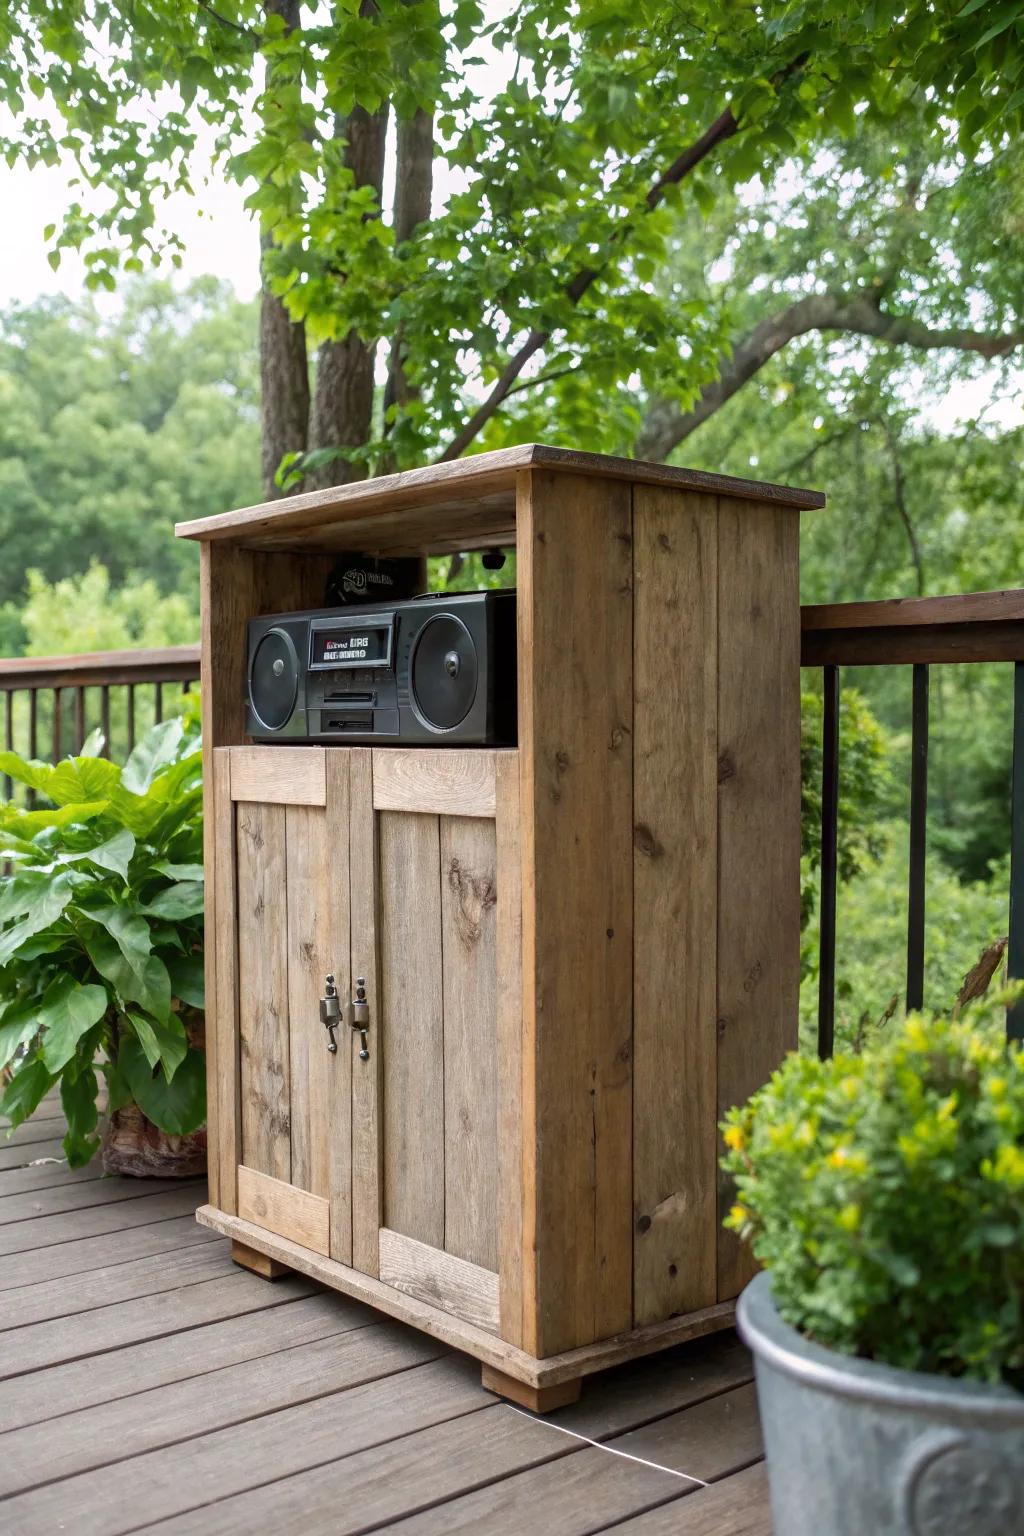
[[645, 842], [475, 895]]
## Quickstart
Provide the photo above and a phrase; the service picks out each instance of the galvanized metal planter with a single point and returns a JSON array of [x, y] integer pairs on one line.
[[859, 1449]]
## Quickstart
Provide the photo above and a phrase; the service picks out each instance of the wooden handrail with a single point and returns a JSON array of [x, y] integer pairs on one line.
[[970, 626], [167, 664]]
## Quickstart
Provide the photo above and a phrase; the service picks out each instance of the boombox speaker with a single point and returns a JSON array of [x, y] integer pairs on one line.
[[436, 669]]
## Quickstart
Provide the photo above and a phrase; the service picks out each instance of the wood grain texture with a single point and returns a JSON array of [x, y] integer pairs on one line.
[[263, 988], [334, 1072], [675, 898], [78, 1255], [463, 1289], [412, 1027], [310, 867], [932, 644], [279, 775], [887, 613], [509, 1023], [575, 733], [444, 488], [281, 1208], [442, 783], [633, 1344], [736, 1507], [758, 815], [43, 1232], [469, 897], [258, 1263], [223, 1059], [366, 1076], [535, 1399]]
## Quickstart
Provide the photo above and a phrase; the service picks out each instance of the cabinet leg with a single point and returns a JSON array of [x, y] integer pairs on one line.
[[259, 1263], [537, 1399]]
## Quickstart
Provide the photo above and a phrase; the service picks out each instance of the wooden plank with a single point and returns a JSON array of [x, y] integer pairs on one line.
[[83, 1384], [510, 1048], [332, 1105], [411, 1008], [758, 815], [208, 1469], [675, 897], [308, 858], [737, 1506], [263, 989], [46, 1231], [223, 1063], [373, 1488], [273, 776], [464, 1289], [80, 1255], [367, 1076], [49, 1173], [23, 1155], [583, 1490], [887, 613], [44, 1128], [36, 1303], [469, 896], [76, 1197], [281, 1208], [443, 488], [169, 1414], [583, 1361], [157, 664], [930, 644], [575, 730], [442, 783], [148, 1317]]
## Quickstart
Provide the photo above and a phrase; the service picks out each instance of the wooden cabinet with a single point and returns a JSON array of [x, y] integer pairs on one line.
[[575, 954]]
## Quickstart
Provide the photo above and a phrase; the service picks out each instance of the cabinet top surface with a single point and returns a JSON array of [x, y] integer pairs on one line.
[[486, 479]]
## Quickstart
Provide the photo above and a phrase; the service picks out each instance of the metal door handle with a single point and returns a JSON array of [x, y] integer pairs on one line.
[[330, 1013], [359, 1016]]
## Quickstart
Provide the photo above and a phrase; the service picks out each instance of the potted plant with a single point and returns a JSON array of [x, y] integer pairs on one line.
[[101, 929], [884, 1194]]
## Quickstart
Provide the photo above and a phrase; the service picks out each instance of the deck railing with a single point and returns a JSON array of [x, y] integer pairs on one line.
[[919, 633], [51, 704]]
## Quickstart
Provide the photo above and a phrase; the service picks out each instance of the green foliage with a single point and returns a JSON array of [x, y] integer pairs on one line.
[[111, 430], [885, 1193], [101, 931], [862, 787]]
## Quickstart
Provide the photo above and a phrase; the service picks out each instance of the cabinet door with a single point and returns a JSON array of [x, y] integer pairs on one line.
[[436, 925], [282, 928]]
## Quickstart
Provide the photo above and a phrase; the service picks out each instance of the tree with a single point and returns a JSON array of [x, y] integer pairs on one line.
[[555, 283]]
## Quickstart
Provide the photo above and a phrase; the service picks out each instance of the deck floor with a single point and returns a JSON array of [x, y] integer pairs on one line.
[[148, 1383]]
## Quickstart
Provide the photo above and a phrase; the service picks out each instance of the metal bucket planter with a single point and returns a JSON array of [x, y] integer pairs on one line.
[[859, 1449]]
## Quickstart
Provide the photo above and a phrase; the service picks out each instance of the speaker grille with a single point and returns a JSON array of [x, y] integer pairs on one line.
[[274, 680], [443, 673]]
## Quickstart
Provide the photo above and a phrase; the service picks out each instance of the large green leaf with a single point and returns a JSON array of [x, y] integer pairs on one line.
[[127, 927], [164, 1042], [68, 1010], [136, 979], [18, 1025], [177, 901], [157, 749], [78, 1098], [71, 781], [36, 907], [29, 823], [115, 854], [177, 1107], [25, 1091], [188, 981], [178, 871]]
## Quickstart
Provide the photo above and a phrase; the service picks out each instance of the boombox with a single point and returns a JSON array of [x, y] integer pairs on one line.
[[435, 669]]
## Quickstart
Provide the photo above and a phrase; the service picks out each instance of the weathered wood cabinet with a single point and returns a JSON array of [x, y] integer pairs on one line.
[[576, 953]]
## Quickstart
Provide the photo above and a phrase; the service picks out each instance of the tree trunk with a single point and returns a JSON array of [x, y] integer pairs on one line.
[[414, 185], [135, 1147], [343, 400], [284, 367]]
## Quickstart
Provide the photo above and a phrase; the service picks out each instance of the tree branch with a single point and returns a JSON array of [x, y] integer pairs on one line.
[[667, 425]]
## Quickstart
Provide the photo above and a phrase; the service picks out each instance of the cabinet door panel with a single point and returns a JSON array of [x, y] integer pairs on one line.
[[290, 930]]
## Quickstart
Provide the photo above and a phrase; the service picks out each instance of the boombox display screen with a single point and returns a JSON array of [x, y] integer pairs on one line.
[[365, 645], [436, 670]]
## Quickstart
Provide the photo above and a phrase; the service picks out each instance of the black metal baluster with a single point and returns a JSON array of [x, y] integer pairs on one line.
[[918, 816], [131, 716], [56, 725], [1015, 944], [33, 736], [79, 718], [829, 863], [8, 738], [158, 695], [105, 718]]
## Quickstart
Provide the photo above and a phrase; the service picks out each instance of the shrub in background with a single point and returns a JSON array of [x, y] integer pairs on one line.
[[101, 932], [885, 1193]]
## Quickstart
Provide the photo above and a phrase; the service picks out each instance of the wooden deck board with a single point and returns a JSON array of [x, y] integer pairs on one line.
[[146, 1381]]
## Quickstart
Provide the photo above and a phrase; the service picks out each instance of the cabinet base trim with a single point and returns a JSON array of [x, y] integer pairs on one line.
[[438, 1278], [281, 1208], [514, 1362]]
